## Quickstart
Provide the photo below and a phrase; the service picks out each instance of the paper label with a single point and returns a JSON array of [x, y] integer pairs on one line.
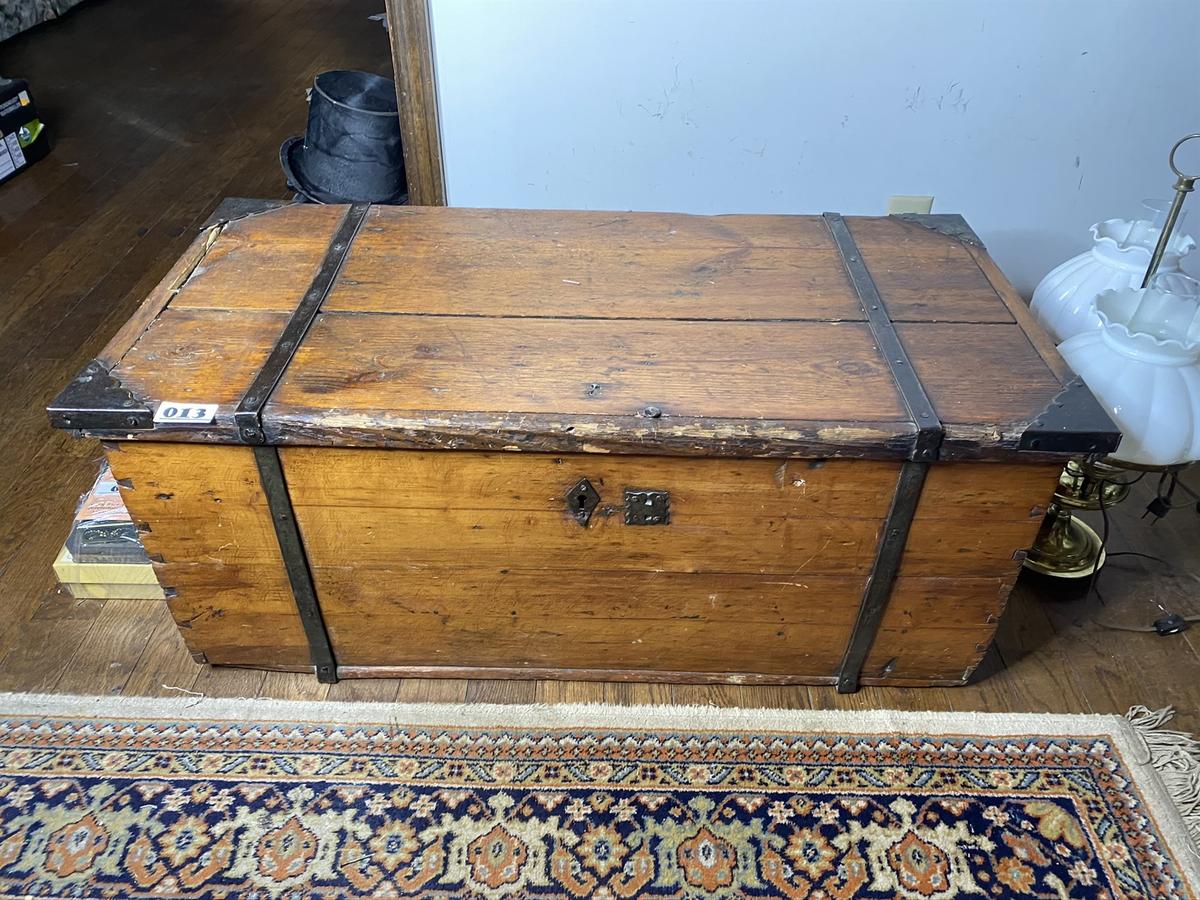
[[14, 147], [178, 412], [9, 164]]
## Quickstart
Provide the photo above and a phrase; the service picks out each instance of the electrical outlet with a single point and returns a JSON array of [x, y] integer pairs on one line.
[[902, 203]]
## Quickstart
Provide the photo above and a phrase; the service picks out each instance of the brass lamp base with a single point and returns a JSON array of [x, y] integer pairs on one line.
[[1066, 547]]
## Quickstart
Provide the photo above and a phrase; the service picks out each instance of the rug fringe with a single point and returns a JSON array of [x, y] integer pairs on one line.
[[1175, 755]]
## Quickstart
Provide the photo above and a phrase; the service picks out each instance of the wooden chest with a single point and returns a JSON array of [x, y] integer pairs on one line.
[[592, 445]]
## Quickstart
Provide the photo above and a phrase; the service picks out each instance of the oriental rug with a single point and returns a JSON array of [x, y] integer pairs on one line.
[[105, 797]]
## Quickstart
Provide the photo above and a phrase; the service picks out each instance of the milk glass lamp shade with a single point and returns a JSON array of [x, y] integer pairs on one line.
[[1143, 365], [1064, 301]]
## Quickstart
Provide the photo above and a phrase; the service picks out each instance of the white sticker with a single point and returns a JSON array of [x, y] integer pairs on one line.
[[7, 166], [14, 147], [177, 412]]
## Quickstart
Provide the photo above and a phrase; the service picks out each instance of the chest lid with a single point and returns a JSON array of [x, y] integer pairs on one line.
[[738, 335]]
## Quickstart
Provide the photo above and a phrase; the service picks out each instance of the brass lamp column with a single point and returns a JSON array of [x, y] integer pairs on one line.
[[1066, 547]]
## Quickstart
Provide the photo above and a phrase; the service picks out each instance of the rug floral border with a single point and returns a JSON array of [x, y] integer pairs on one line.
[[1074, 794]]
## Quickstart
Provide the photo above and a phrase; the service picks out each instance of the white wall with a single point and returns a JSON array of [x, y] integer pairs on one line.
[[1034, 118]]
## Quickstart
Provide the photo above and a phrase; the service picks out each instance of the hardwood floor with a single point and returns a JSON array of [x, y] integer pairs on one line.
[[159, 111]]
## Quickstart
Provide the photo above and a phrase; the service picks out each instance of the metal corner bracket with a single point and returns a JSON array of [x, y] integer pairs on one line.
[[95, 400], [233, 208], [950, 224], [1072, 422]]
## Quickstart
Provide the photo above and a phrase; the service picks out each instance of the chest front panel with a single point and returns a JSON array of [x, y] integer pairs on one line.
[[466, 562]]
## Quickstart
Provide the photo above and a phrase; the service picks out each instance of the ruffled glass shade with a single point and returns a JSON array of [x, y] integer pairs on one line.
[[1143, 365], [1064, 301]]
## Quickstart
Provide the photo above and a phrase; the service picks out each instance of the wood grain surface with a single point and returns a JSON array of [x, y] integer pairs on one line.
[[206, 524], [748, 370], [483, 262], [150, 308], [924, 276], [1038, 336], [979, 374], [725, 516], [264, 261], [474, 561], [537, 482]]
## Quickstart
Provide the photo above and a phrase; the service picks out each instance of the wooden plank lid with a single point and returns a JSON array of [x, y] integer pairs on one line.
[[597, 331]]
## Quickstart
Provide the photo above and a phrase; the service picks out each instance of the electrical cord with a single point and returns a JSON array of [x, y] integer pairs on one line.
[[1161, 504], [1151, 556], [1169, 623], [1094, 578], [1146, 629]]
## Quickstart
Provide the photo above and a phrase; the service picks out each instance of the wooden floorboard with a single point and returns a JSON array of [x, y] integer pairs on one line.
[[192, 109]]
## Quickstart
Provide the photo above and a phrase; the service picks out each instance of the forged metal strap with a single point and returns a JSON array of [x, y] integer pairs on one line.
[[883, 573], [248, 415], [295, 561], [929, 426], [925, 448]]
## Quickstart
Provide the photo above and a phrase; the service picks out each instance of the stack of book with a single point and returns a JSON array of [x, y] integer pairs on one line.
[[103, 556]]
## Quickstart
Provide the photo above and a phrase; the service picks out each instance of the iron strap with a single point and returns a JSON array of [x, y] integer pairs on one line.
[[929, 427], [295, 561], [248, 415], [925, 448], [883, 573]]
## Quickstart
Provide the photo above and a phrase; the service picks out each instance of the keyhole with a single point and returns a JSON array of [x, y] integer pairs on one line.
[[581, 500]]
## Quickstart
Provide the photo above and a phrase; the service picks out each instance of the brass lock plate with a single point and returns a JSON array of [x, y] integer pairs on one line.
[[647, 507]]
